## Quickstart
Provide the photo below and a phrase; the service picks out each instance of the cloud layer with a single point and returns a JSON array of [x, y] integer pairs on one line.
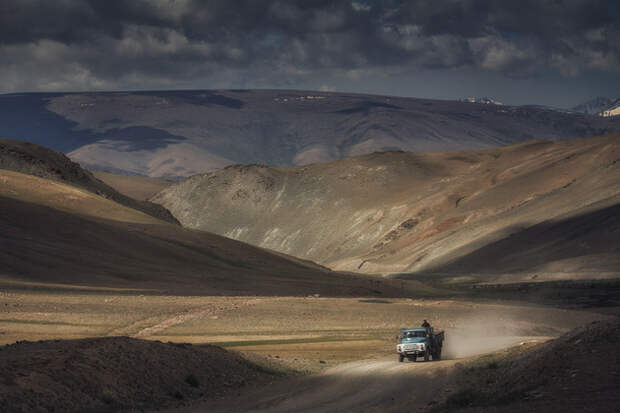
[[114, 44]]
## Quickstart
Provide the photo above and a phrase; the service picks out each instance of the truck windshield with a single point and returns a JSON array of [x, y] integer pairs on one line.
[[412, 334]]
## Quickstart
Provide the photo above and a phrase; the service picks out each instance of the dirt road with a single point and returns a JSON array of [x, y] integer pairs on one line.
[[349, 336], [383, 385], [377, 385]]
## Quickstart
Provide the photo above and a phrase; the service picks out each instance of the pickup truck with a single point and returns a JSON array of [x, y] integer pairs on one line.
[[420, 342]]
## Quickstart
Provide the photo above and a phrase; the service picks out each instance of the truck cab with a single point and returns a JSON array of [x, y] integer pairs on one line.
[[419, 342]]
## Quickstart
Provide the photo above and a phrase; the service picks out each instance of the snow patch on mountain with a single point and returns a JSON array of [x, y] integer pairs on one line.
[[602, 106], [485, 100]]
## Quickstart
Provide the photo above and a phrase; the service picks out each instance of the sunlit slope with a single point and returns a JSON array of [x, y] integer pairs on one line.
[[55, 233], [49, 193], [37, 160], [398, 212]]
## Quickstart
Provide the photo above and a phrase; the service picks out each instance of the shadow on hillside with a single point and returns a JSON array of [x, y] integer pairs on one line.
[[584, 240]]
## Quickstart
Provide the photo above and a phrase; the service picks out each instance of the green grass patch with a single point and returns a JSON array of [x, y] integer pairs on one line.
[[378, 334], [290, 341], [46, 322]]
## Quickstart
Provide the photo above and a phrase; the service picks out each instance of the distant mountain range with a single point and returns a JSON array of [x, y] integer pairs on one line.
[[603, 106], [174, 134]]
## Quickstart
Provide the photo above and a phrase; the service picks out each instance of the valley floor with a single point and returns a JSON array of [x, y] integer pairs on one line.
[[527, 377], [303, 334], [336, 354]]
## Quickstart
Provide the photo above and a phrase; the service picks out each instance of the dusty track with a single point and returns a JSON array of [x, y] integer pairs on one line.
[[152, 325], [369, 386], [383, 385]]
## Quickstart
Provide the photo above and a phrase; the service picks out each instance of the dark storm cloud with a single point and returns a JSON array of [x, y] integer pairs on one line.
[[473, 18], [94, 44]]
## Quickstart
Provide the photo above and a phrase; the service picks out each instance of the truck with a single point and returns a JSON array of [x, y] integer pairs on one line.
[[420, 342]]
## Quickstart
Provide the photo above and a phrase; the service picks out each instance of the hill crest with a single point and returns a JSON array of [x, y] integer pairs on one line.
[[36, 160]]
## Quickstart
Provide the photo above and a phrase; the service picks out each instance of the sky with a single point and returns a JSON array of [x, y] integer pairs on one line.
[[548, 52]]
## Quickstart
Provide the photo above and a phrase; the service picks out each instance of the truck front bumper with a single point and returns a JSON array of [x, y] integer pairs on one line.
[[412, 352]]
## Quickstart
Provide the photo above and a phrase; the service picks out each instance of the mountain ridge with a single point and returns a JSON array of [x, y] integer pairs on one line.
[[174, 134], [395, 212]]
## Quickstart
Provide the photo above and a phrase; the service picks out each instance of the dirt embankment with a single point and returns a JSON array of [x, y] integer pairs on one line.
[[116, 374]]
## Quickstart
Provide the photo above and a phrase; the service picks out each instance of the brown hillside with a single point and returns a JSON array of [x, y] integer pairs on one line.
[[396, 212], [55, 233], [39, 161]]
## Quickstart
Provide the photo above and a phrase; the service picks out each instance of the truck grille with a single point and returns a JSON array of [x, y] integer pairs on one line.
[[412, 347]]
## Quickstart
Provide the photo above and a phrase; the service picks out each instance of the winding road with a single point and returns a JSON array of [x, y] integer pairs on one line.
[[365, 385], [377, 385]]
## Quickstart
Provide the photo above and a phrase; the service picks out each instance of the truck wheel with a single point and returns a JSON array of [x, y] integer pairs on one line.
[[400, 358], [426, 357]]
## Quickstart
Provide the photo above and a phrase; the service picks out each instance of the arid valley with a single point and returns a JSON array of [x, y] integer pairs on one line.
[[132, 303], [314, 206]]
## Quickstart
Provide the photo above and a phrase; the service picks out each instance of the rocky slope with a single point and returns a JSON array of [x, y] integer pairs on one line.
[[39, 161], [181, 133], [549, 207]]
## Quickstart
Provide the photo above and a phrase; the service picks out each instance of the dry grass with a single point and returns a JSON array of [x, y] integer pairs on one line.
[[291, 333], [67, 198]]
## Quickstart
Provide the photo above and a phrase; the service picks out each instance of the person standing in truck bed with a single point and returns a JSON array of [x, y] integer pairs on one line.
[[426, 325]]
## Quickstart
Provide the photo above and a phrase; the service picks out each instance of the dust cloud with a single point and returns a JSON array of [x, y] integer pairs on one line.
[[482, 334]]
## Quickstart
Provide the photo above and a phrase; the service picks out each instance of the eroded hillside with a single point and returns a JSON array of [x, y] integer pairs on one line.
[[536, 206]]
